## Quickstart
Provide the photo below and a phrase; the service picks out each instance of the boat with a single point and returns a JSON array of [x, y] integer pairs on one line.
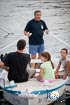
[[33, 91]]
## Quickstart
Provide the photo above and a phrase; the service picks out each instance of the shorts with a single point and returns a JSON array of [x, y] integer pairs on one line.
[[34, 49]]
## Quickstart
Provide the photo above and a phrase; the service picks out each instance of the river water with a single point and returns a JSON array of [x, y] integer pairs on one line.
[[14, 14]]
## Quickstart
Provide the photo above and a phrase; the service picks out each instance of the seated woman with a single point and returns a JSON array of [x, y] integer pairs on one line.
[[46, 68]]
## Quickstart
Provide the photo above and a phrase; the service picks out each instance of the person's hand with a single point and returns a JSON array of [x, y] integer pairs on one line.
[[46, 31], [38, 77], [28, 34], [56, 75], [64, 76], [56, 72]]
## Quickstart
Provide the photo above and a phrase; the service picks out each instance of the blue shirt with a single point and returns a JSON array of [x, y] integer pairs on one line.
[[37, 29]]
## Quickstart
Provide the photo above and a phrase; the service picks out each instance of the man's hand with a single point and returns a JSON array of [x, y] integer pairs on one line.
[[56, 74], [46, 31], [27, 34], [64, 76]]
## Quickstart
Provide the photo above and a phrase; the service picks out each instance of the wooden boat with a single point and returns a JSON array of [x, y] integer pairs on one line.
[[33, 92]]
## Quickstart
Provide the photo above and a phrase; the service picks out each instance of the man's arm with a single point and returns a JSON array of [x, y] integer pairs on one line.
[[67, 68], [58, 67], [57, 70], [1, 64], [27, 29], [45, 28]]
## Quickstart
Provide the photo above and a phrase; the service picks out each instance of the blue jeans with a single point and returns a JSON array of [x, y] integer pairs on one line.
[[33, 49]]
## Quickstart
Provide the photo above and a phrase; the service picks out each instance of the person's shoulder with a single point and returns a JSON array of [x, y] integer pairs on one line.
[[31, 21], [11, 54], [43, 64], [68, 61], [47, 63], [42, 21], [26, 55], [8, 56]]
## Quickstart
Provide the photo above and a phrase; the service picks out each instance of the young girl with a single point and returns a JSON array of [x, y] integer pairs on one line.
[[46, 69]]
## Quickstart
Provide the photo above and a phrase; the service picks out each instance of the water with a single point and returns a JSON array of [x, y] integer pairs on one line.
[[14, 14]]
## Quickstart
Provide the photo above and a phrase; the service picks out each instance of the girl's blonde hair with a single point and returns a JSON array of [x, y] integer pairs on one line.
[[48, 57]]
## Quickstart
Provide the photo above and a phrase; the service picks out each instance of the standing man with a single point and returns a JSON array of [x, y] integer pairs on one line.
[[35, 29]]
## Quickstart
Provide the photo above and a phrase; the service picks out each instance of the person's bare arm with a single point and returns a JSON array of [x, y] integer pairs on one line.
[[67, 68], [58, 67], [41, 74], [3, 66]]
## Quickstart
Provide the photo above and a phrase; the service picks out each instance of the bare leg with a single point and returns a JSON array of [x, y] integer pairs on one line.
[[38, 64], [33, 64], [39, 55]]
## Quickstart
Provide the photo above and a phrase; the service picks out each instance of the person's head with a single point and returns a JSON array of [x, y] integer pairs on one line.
[[21, 44], [64, 53], [45, 56], [37, 15]]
